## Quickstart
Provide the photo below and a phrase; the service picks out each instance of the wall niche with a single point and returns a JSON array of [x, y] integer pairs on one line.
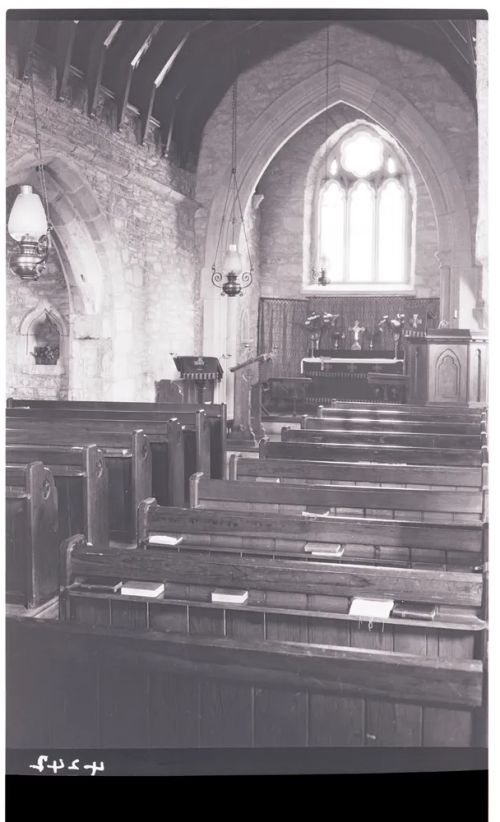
[[43, 352]]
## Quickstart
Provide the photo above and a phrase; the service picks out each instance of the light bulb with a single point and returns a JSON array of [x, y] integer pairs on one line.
[[27, 218], [232, 260]]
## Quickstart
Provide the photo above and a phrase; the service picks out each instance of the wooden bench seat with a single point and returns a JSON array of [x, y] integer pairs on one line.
[[81, 479], [368, 453], [195, 438], [128, 460], [140, 688], [414, 412], [399, 542], [31, 544], [402, 426], [272, 615], [292, 471], [184, 412], [367, 436], [389, 503]]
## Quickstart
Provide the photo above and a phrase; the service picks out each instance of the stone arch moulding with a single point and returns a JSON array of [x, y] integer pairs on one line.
[[448, 376], [94, 275], [286, 115]]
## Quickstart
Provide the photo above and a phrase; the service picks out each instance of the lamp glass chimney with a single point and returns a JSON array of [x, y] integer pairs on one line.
[[27, 217]]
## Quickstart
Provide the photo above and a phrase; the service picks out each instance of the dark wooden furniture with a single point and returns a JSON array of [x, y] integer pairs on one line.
[[346, 375], [162, 411], [392, 503], [366, 453], [81, 480], [127, 455], [391, 438], [448, 366], [199, 375], [387, 387], [31, 545]]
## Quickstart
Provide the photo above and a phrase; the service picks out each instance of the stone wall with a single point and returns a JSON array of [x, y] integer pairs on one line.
[[124, 218], [24, 378], [403, 89], [282, 213]]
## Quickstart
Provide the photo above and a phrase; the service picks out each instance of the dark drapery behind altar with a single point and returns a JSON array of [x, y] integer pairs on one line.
[[281, 328], [281, 324]]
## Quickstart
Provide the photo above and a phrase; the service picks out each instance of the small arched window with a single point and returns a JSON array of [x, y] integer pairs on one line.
[[363, 214]]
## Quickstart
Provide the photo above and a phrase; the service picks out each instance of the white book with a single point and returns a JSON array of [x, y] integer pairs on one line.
[[324, 549], [230, 595], [139, 588], [371, 608], [163, 539]]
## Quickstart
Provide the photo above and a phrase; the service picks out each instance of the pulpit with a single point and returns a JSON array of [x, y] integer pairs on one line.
[[448, 366], [199, 377], [248, 377]]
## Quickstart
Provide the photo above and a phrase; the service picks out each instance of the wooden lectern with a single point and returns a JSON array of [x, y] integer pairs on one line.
[[247, 426]]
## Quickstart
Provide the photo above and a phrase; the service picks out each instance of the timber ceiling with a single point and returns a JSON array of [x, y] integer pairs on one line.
[[177, 71]]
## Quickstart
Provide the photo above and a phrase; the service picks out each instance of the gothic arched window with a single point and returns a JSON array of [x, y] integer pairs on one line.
[[363, 214]]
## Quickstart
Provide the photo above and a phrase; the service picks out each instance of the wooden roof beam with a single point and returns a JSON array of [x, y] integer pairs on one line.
[[101, 42], [65, 38], [136, 49], [25, 36], [157, 66]]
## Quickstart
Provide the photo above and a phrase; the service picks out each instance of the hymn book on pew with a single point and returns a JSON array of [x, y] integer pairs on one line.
[[230, 596], [408, 611], [135, 588], [323, 549], [371, 608], [164, 539]]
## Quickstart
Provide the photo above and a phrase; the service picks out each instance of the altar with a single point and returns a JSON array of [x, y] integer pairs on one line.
[[349, 375]]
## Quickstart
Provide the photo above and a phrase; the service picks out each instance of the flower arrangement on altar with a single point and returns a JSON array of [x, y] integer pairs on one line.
[[315, 324], [396, 326]]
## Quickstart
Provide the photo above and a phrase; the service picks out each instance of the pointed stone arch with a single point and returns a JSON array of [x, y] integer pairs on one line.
[[289, 112], [93, 271]]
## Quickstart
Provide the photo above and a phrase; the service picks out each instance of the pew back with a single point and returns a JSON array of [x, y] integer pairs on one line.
[[369, 437], [128, 460], [31, 534], [344, 500], [81, 480], [366, 453]]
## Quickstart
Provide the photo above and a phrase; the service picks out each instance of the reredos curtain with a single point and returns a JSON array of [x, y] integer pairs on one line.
[[281, 327]]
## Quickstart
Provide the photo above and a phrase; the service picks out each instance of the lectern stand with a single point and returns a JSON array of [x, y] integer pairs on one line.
[[200, 376], [247, 427]]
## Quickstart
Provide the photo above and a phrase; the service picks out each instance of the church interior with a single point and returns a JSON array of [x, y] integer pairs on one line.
[[247, 371]]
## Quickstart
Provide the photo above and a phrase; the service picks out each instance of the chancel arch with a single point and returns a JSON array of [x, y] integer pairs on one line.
[[395, 113]]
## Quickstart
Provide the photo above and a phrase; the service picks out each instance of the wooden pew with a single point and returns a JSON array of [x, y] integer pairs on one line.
[[184, 412], [321, 618], [293, 471], [128, 460], [129, 687], [195, 435], [364, 452], [355, 539], [81, 479], [31, 544], [402, 426], [383, 411], [406, 440], [392, 503]]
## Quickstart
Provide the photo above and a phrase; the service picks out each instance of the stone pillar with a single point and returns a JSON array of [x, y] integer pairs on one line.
[[445, 290]]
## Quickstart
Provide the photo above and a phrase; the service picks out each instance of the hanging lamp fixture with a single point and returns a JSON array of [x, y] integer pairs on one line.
[[321, 277], [29, 223], [230, 277]]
